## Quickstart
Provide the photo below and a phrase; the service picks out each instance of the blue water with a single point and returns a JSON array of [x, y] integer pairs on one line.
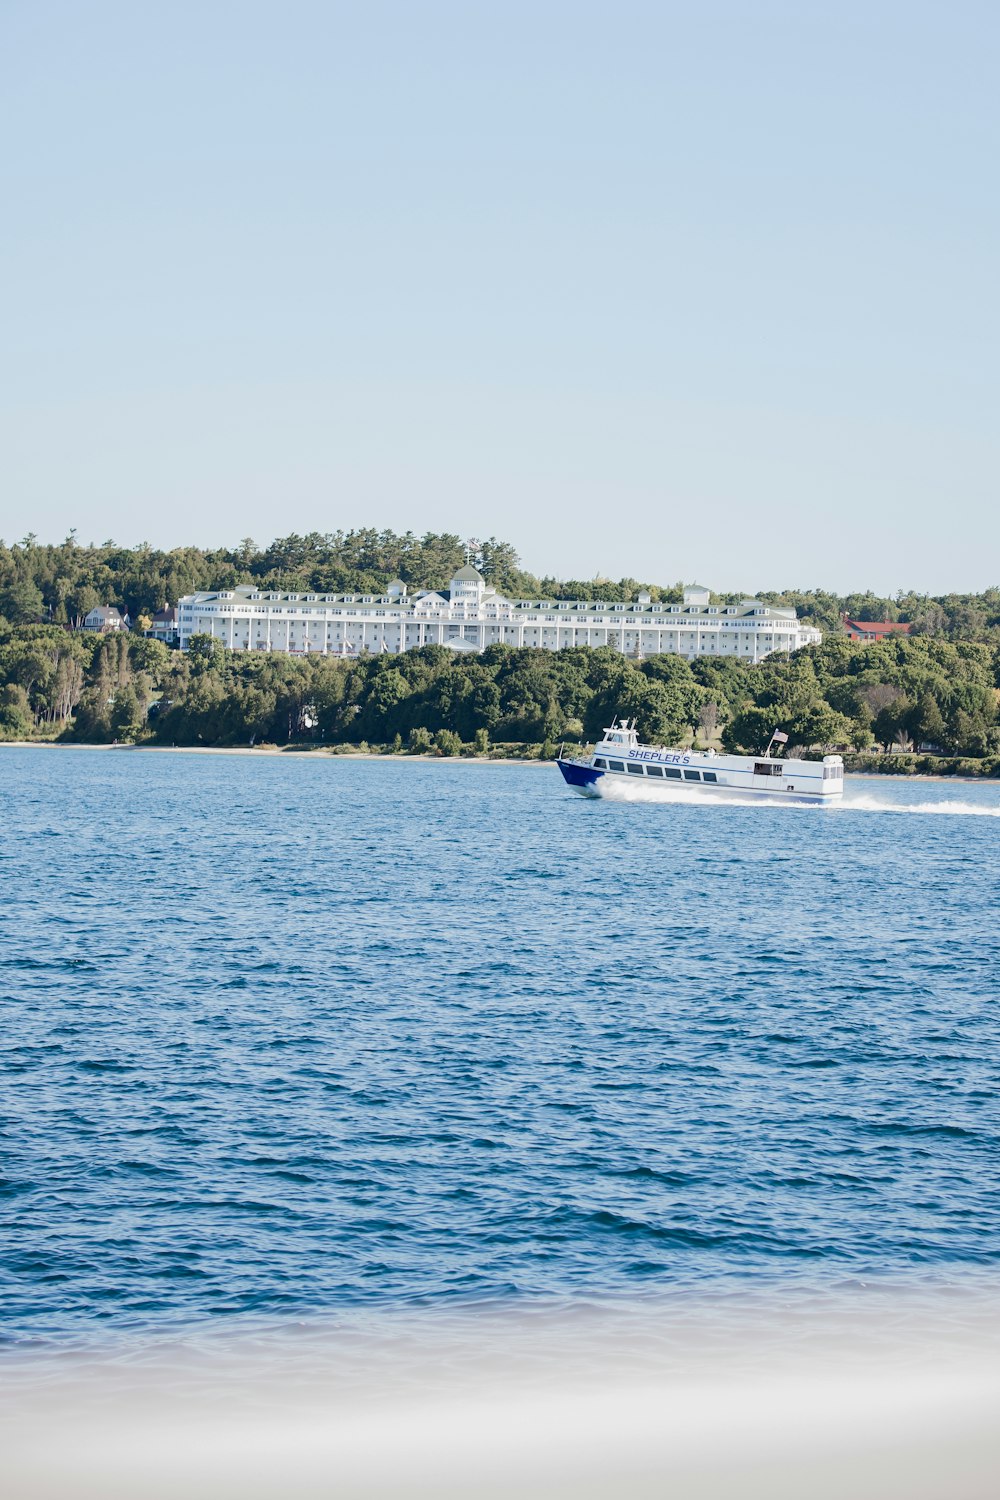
[[287, 1035]]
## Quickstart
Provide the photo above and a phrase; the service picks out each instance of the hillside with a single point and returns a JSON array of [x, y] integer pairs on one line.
[[938, 686]]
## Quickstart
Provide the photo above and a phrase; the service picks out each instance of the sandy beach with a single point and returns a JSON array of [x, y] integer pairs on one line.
[[325, 751]]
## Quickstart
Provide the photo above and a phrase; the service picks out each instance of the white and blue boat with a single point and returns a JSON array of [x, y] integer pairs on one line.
[[621, 769]]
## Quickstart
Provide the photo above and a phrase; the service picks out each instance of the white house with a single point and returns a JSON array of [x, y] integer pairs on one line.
[[164, 625], [106, 619], [469, 616]]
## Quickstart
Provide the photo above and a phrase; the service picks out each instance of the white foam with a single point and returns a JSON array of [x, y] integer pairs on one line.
[[866, 802], [613, 789]]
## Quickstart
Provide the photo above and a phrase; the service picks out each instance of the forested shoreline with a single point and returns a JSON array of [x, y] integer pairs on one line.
[[61, 583], [936, 688]]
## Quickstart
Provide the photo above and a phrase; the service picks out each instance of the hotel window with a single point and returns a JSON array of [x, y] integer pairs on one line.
[[692, 775]]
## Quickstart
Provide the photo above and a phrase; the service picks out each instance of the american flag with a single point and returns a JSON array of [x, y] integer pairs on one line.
[[780, 737]]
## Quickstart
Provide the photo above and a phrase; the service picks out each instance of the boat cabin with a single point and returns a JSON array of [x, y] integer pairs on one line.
[[622, 734]]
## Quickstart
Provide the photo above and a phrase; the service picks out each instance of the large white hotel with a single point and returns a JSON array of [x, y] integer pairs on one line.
[[469, 616]]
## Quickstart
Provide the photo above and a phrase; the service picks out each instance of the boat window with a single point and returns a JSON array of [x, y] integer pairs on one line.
[[672, 772], [767, 768], [615, 765], [654, 770], [709, 776], [601, 765], [692, 775], [633, 769]]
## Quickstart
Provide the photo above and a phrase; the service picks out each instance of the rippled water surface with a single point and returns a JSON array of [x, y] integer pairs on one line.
[[285, 1035]]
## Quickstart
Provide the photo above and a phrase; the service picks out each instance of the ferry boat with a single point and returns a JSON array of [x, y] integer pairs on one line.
[[620, 768]]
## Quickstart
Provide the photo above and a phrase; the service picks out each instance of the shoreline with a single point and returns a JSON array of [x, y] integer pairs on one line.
[[324, 753], [314, 752]]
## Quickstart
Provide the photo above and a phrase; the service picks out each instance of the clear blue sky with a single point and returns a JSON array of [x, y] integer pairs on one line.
[[705, 290]]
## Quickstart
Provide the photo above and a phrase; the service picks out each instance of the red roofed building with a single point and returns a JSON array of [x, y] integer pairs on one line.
[[873, 630]]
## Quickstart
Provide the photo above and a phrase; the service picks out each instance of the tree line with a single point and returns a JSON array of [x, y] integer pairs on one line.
[[902, 694], [935, 689], [59, 584]]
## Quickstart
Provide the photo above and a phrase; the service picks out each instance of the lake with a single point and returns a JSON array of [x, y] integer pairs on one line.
[[290, 1036]]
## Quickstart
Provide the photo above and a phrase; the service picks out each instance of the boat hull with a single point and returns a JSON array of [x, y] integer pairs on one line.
[[583, 779], [612, 786]]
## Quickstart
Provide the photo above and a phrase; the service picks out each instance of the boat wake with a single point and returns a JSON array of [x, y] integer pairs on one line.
[[853, 802], [951, 807], [617, 790]]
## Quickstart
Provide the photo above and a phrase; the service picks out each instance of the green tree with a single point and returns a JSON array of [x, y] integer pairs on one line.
[[749, 732], [890, 720], [820, 726], [927, 722], [16, 719], [205, 652], [83, 597], [388, 691], [446, 742], [861, 736], [128, 718], [21, 602]]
